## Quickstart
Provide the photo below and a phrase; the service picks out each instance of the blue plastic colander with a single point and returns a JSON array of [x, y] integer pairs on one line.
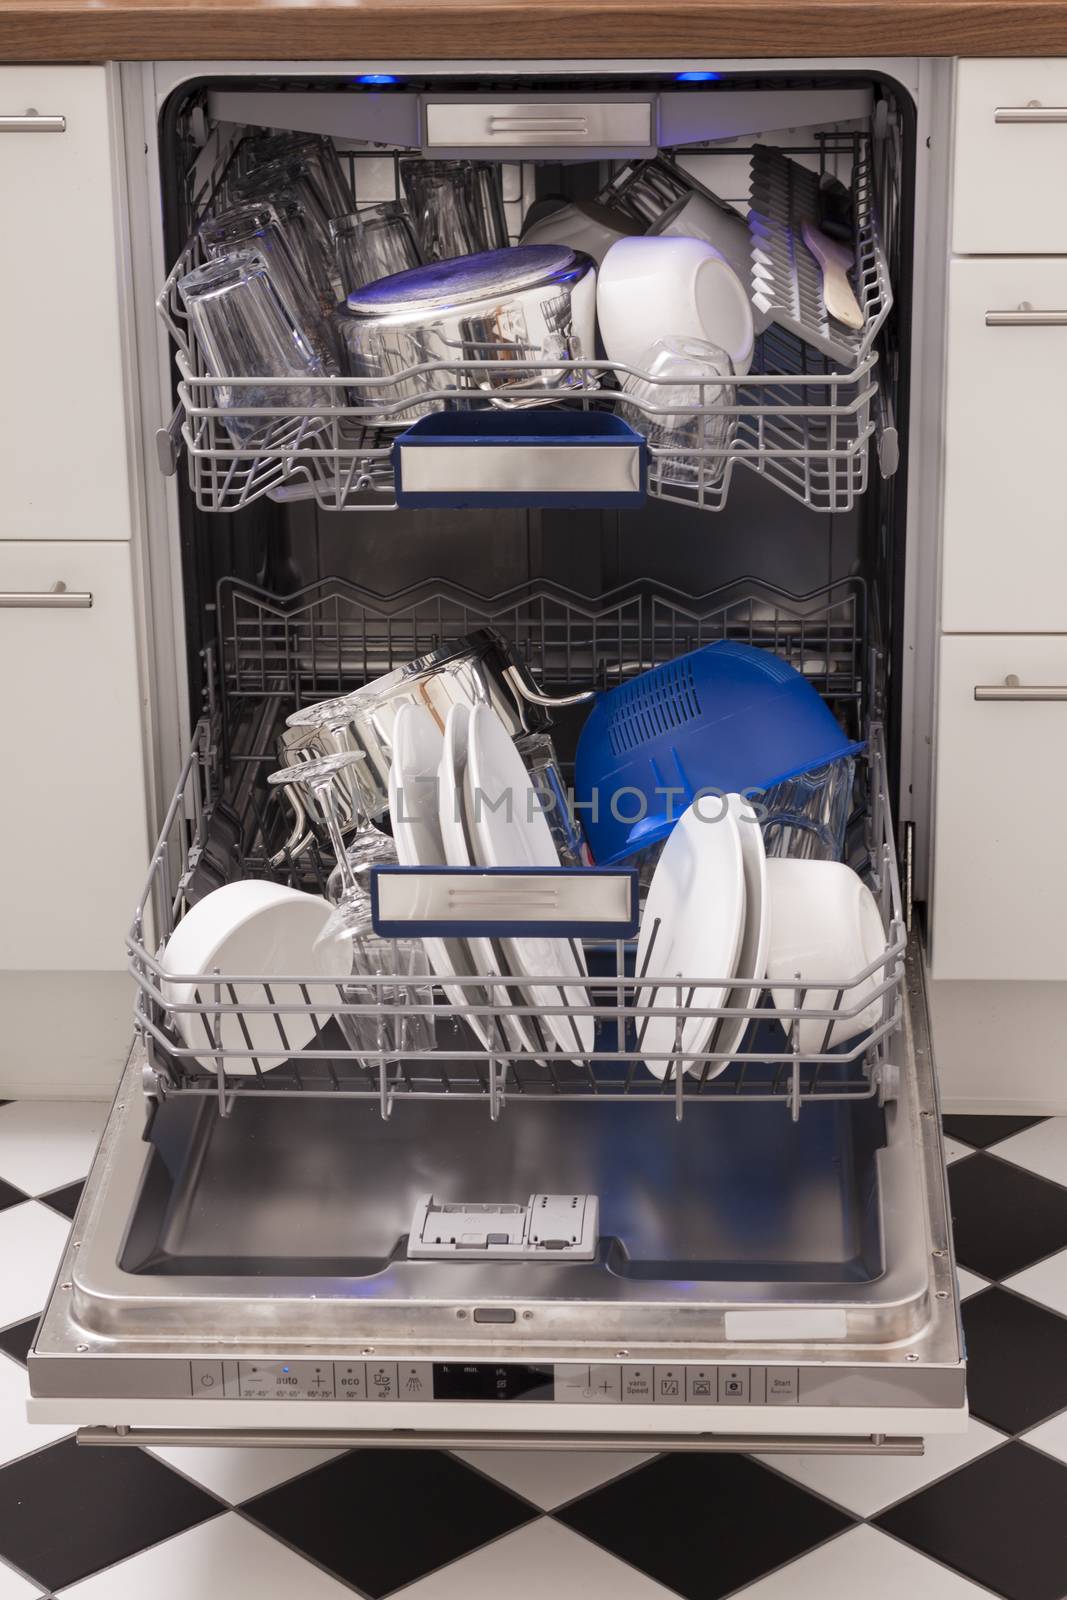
[[727, 717]]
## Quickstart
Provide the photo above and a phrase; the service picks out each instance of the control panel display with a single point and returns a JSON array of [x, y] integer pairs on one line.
[[472, 1381]]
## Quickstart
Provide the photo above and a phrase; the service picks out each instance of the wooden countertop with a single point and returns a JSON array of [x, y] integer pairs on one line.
[[411, 30]]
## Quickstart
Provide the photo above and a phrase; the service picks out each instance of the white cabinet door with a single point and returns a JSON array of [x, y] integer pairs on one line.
[[62, 420], [72, 801], [1005, 510], [1010, 157], [999, 903]]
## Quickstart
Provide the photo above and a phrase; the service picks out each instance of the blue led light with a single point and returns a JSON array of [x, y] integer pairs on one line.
[[377, 77], [285, 1369], [699, 77]]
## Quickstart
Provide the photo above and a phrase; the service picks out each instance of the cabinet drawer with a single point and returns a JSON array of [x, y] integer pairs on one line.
[[72, 805], [999, 907], [1005, 531], [1010, 155], [62, 417]]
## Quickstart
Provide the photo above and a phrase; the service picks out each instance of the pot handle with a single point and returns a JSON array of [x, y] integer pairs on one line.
[[525, 692]]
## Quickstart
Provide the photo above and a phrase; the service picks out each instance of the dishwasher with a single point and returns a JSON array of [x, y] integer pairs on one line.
[[762, 1255]]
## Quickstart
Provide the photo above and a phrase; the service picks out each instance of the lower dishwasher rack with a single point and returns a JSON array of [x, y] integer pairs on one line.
[[758, 1284]]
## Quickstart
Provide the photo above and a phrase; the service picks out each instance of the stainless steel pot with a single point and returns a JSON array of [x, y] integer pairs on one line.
[[480, 668], [531, 303]]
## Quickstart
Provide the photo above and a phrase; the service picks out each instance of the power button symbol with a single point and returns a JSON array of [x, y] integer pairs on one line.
[[207, 1381]]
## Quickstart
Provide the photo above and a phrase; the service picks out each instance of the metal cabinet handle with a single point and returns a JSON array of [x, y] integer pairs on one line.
[[57, 597], [1033, 112], [1012, 689], [1026, 317], [538, 125], [33, 122]]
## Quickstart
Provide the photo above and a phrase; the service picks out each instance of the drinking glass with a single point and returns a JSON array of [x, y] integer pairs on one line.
[[684, 375], [248, 328], [284, 185], [807, 816], [391, 1027], [256, 225], [542, 763], [372, 243], [456, 206]]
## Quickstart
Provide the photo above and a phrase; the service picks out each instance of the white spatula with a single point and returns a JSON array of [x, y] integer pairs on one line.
[[835, 259]]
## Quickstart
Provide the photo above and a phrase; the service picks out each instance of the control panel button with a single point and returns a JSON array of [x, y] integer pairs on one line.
[[286, 1380], [637, 1385], [596, 1385], [669, 1385], [350, 1380], [381, 1380], [783, 1388], [733, 1386], [207, 1380], [701, 1386], [415, 1380]]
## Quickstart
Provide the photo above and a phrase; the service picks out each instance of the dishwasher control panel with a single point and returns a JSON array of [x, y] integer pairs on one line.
[[606, 1383]]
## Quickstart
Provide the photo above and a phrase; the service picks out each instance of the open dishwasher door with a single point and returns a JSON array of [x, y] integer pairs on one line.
[[755, 1282]]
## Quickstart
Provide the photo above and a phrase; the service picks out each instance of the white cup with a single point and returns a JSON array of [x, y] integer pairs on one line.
[[663, 287], [825, 923], [584, 225]]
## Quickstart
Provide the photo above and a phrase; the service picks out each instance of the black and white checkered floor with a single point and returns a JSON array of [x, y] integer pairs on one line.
[[981, 1513]]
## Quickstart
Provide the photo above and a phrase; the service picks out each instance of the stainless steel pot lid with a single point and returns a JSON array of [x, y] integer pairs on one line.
[[469, 278]]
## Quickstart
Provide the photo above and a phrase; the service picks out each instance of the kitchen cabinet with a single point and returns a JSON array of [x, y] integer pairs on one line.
[[1010, 153], [1000, 872], [62, 406], [72, 807], [1005, 528]]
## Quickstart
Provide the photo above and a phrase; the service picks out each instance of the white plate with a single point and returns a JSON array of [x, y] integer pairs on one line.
[[697, 899], [507, 828], [756, 936], [418, 746], [488, 958], [259, 927]]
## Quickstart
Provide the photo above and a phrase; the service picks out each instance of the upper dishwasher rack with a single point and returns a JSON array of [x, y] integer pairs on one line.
[[800, 420]]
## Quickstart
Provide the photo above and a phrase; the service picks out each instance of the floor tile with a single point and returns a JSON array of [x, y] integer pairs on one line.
[[980, 1131], [32, 1240], [541, 1561], [14, 1587], [236, 1474], [17, 1435], [1016, 1360], [863, 1563], [955, 1151], [969, 1282], [1041, 1149], [122, 1501], [704, 1525], [47, 1143], [382, 1518], [1050, 1436], [10, 1196], [227, 1557], [866, 1484], [65, 1200], [1000, 1521], [1046, 1282], [552, 1477], [16, 1340], [1003, 1218]]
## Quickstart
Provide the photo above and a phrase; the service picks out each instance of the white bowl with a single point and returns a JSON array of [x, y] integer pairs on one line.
[[258, 928], [825, 923], [660, 287], [584, 225]]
